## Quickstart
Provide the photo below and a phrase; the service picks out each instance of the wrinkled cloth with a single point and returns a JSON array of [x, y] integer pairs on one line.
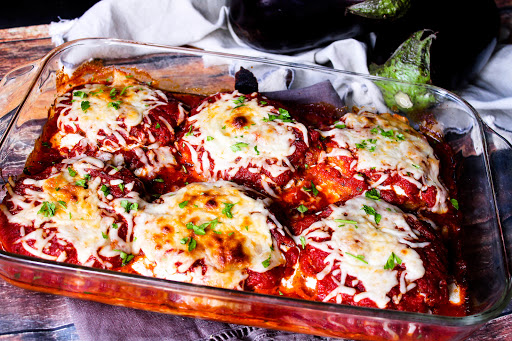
[[204, 24]]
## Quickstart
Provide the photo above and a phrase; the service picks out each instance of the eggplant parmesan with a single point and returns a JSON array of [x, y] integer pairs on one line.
[[242, 192]]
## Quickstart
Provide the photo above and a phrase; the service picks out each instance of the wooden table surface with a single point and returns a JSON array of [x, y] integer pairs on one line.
[[21, 318]]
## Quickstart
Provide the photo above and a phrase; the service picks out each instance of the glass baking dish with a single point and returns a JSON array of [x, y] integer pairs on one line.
[[484, 196]]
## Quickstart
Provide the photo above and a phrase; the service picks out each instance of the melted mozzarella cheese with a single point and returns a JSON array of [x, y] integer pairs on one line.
[[233, 241], [100, 111], [81, 216], [359, 247], [236, 133], [388, 143]]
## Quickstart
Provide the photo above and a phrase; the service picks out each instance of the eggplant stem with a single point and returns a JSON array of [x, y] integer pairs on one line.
[[381, 9]]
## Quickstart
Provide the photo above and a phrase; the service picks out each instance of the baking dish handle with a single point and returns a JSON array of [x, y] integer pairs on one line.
[[500, 158], [14, 88]]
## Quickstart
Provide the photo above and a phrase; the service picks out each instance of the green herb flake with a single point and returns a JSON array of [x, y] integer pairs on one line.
[[158, 126], [371, 211], [158, 180], [85, 105], [266, 262], [189, 131], [340, 126], [80, 94], [124, 89], [113, 93], [455, 203], [71, 172], [105, 190], [230, 234], [263, 103], [227, 209], [121, 187], [238, 146], [184, 241], [372, 194], [104, 235], [223, 127], [46, 144], [62, 203], [192, 245], [284, 116], [344, 221], [392, 261], [416, 166], [81, 183], [129, 76], [183, 204], [115, 226], [359, 257], [128, 206], [256, 150], [303, 242], [47, 209], [302, 208], [116, 105]]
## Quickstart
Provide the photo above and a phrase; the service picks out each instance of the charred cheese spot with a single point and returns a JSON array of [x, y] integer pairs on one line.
[[227, 244]]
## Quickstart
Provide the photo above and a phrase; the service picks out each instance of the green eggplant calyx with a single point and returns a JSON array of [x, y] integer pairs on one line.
[[409, 63], [381, 9]]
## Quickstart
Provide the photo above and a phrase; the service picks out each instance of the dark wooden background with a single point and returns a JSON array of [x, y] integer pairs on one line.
[[22, 314]]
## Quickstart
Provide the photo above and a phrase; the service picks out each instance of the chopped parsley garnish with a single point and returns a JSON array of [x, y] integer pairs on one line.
[[47, 209], [227, 209], [199, 230], [116, 104], [230, 234], [71, 172], [57, 189], [400, 136], [266, 262], [121, 187], [392, 261], [416, 166], [284, 116], [85, 105], [359, 257], [263, 102], [94, 93], [339, 125], [246, 227], [223, 127], [238, 146], [125, 257], [124, 89], [115, 226], [104, 235], [184, 241], [46, 144], [302, 208], [62, 203], [343, 221], [313, 189], [189, 131], [128, 206], [82, 183], [372, 194], [361, 145], [129, 76], [303, 242], [105, 190], [80, 94], [280, 293], [239, 102], [113, 93], [371, 211], [183, 204], [209, 138], [158, 126], [158, 180], [455, 203], [256, 150], [192, 245]]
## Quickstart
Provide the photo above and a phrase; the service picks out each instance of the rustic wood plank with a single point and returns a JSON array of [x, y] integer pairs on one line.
[[18, 53], [24, 33]]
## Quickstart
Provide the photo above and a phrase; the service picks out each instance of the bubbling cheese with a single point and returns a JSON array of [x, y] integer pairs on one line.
[[82, 216], [99, 112], [215, 224], [360, 247], [387, 143], [235, 132]]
